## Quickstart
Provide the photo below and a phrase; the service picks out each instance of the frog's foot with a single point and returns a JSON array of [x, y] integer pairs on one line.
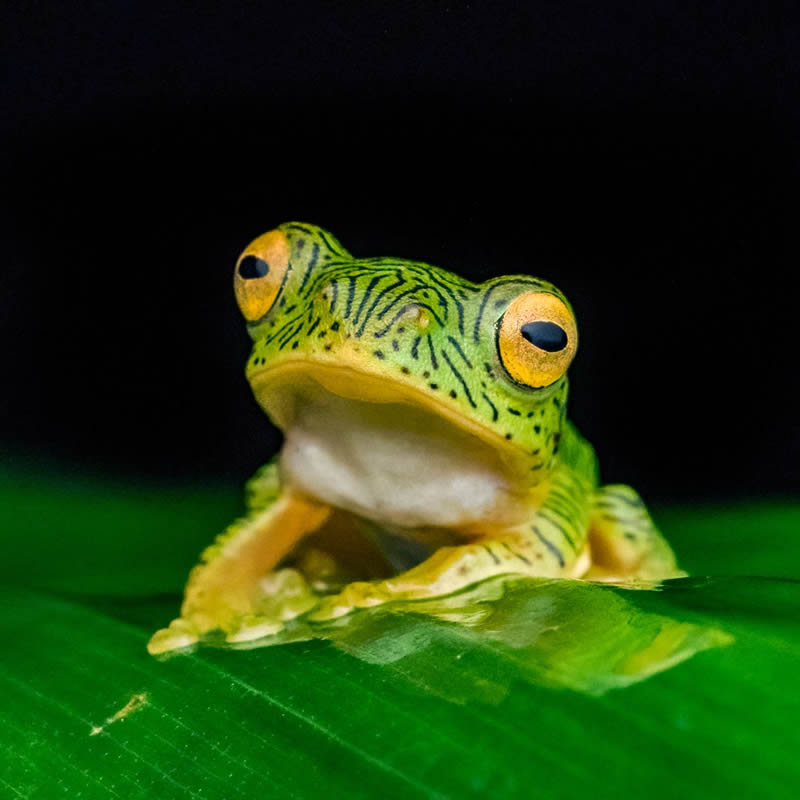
[[626, 546], [282, 596], [234, 592], [448, 570]]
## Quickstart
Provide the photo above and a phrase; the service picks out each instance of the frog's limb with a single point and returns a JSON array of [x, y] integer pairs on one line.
[[624, 542], [552, 543], [233, 587]]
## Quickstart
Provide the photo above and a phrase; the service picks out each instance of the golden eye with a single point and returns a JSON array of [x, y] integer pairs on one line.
[[537, 339], [260, 273]]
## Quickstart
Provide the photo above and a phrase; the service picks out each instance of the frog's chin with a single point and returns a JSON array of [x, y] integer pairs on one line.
[[283, 389], [384, 451]]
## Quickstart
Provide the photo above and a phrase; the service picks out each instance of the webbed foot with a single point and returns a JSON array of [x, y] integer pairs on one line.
[[282, 595]]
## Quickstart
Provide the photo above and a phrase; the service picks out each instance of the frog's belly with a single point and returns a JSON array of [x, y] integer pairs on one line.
[[394, 464]]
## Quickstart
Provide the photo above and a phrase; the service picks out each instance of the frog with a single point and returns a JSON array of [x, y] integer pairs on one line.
[[426, 446]]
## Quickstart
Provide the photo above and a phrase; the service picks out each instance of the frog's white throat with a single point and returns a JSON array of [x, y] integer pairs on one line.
[[396, 463]]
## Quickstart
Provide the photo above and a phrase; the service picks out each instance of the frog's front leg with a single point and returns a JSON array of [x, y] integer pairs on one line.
[[550, 544], [625, 543], [234, 589]]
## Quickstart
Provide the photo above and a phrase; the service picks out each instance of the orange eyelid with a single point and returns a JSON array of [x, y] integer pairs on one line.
[[526, 363], [256, 296]]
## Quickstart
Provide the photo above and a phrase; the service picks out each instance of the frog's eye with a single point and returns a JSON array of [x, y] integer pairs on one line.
[[260, 273], [537, 339]]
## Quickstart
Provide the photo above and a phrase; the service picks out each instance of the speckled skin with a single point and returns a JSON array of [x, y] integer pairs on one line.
[[384, 330], [334, 301]]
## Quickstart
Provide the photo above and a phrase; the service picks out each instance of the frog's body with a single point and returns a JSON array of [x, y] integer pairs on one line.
[[425, 431]]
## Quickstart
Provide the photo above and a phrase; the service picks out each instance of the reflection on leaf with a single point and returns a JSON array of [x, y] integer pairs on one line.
[[559, 634]]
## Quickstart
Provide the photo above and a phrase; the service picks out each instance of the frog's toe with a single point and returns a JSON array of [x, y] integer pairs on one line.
[[360, 594], [284, 595], [254, 627], [330, 608], [180, 635], [278, 597]]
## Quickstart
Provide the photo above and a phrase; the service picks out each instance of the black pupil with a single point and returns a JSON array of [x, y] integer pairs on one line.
[[253, 267], [545, 335]]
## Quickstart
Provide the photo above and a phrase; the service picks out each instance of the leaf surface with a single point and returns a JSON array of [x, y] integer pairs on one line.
[[402, 703]]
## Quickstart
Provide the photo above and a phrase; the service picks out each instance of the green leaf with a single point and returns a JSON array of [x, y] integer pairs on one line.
[[512, 690]]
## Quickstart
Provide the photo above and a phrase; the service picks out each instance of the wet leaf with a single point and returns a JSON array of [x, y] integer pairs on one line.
[[553, 633], [512, 691]]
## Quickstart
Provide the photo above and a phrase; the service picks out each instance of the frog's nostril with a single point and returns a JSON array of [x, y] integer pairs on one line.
[[251, 267], [546, 336]]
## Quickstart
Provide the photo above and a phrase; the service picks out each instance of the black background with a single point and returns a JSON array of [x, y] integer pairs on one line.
[[642, 156]]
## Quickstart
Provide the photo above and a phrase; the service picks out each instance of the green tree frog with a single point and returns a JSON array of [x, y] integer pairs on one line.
[[426, 445]]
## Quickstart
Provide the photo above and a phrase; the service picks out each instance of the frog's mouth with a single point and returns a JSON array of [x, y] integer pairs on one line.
[[283, 389]]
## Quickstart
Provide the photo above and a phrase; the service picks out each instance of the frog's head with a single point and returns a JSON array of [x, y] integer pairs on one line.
[[486, 361]]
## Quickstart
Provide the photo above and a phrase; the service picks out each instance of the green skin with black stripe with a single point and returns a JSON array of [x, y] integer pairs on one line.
[[383, 365]]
